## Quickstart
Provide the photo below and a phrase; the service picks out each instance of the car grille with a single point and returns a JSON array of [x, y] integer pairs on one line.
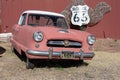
[[64, 43]]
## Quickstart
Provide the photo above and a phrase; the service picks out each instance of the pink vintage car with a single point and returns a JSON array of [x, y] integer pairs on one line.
[[46, 35]]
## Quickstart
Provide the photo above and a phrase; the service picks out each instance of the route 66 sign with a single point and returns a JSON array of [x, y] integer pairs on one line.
[[80, 15]]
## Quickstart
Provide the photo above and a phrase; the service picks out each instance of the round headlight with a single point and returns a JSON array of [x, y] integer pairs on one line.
[[91, 39], [38, 36]]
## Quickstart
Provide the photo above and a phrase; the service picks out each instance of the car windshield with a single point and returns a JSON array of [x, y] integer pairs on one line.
[[47, 20]]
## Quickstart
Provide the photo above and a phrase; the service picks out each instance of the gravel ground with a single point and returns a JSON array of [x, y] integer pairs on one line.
[[104, 66]]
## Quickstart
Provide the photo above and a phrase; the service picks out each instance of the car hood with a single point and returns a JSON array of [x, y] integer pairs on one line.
[[66, 34]]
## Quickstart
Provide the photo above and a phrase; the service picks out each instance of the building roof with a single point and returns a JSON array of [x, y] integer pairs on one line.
[[43, 12]]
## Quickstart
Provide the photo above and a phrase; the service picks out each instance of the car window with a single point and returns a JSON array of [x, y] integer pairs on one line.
[[61, 23], [46, 21], [22, 19]]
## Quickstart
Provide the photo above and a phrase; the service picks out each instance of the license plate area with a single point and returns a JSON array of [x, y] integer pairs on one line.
[[67, 55]]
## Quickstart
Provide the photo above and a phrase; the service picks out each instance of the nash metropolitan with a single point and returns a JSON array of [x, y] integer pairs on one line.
[[46, 35]]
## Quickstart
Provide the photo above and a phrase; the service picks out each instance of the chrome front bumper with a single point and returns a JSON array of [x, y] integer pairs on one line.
[[51, 54]]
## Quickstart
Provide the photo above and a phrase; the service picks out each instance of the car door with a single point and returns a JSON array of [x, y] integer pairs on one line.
[[18, 31]]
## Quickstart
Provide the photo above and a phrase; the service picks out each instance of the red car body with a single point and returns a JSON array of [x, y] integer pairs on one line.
[[46, 35]]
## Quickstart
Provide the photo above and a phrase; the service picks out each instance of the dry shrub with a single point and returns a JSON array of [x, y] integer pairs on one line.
[[95, 14]]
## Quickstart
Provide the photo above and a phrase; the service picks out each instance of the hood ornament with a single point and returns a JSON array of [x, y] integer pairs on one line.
[[63, 31]]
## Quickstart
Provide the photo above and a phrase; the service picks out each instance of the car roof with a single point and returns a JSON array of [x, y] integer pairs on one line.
[[43, 12]]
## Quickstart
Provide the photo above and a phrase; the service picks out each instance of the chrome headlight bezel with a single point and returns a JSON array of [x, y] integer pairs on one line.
[[38, 36], [91, 39]]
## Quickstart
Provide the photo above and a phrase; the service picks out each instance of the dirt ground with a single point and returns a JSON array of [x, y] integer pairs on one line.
[[104, 66]]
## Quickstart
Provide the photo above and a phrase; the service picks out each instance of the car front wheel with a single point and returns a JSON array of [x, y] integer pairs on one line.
[[29, 64]]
